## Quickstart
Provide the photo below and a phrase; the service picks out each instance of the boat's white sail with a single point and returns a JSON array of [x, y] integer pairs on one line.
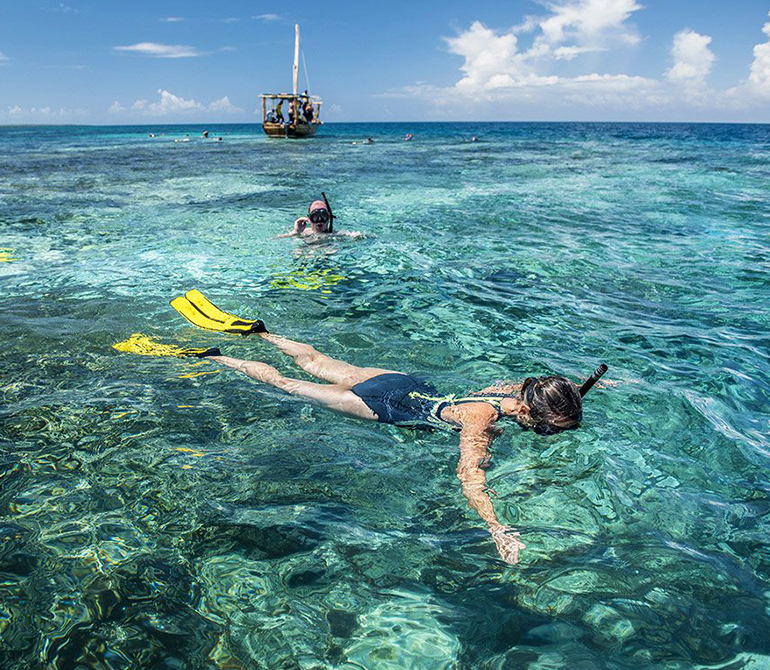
[[296, 57]]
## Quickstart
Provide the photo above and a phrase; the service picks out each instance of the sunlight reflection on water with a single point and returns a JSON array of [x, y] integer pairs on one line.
[[151, 517]]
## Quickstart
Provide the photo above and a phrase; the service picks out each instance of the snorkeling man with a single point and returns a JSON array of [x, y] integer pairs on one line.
[[546, 405], [319, 221]]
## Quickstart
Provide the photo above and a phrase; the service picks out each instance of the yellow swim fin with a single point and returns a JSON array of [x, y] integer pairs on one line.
[[201, 312], [144, 346]]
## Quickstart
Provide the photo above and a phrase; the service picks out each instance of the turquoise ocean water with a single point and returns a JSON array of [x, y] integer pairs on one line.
[[153, 517]]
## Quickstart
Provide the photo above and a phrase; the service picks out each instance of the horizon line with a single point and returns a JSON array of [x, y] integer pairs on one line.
[[331, 123]]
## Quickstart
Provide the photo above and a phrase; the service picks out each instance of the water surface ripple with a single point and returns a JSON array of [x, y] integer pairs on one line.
[[154, 518]]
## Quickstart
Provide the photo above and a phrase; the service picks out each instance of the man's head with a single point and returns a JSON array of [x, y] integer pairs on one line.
[[554, 404], [319, 216]]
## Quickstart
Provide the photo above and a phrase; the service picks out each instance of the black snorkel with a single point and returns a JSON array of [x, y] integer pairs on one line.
[[331, 216], [588, 384]]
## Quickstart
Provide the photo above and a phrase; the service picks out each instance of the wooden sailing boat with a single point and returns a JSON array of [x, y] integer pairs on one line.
[[291, 114]]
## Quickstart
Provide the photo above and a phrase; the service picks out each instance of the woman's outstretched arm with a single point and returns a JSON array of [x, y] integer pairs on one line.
[[475, 438]]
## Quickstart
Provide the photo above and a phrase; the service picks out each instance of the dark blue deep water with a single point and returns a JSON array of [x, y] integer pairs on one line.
[[152, 517]]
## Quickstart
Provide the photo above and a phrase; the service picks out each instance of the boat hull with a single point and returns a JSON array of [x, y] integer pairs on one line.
[[295, 131]]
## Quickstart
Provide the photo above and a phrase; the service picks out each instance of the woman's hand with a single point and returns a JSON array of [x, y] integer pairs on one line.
[[507, 542]]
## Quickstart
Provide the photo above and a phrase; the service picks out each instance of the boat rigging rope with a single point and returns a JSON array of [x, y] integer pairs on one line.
[[304, 65]]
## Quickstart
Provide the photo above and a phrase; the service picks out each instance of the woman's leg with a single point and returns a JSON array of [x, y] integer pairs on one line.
[[323, 366], [334, 396]]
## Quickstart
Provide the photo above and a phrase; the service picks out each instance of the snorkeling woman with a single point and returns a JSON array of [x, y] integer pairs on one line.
[[547, 405]]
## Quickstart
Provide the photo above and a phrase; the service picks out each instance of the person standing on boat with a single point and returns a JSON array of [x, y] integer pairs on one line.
[[308, 112], [291, 119], [279, 112]]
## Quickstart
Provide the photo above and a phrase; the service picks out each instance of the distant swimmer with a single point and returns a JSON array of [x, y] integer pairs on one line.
[[152, 134], [369, 140], [546, 405], [319, 221], [205, 133], [408, 137], [474, 138]]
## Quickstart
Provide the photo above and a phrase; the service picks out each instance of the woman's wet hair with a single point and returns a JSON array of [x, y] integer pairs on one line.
[[552, 399]]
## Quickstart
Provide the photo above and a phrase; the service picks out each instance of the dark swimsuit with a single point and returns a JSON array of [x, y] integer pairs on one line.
[[404, 400]]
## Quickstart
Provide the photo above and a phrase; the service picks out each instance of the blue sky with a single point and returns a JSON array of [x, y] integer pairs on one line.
[[110, 62]]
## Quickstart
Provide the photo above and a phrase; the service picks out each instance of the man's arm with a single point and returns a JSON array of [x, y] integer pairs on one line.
[[299, 227], [475, 438]]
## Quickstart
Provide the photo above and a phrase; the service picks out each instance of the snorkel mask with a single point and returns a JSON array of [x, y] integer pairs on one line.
[[319, 216], [321, 213]]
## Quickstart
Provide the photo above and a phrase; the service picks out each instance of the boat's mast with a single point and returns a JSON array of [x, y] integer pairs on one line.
[[296, 56]]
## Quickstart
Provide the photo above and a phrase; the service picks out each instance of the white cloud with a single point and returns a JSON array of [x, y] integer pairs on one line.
[[589, 21], [614, 91], [504, 70], [266, 17], [172, 19], [224, 105], [495, 68], [162, 50], [61, 7], [488, 58], [759, 74], [3, 58], [169, 104], [569, 53], [585, 25], [692, 57], [46, 114]]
